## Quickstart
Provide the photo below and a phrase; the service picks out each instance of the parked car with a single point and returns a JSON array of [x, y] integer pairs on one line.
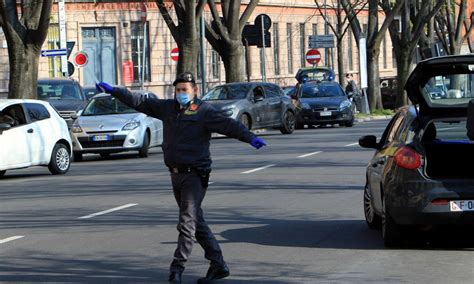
[[90, 92], [324, 103], [417, 176], [255, 104], [388, 92], [65, 95], [108, 126], [33, 134], [289, 90]]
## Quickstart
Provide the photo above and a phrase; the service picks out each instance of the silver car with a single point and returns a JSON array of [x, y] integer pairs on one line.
[[108, 126]]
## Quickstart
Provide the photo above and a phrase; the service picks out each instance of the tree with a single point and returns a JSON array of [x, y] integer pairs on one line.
[[343, 21], [25, 34], [415, 15], [185, 34], [450, 24], [226, 39], [375, 35]]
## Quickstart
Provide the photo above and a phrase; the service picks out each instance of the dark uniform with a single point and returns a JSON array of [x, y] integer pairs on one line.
[[187, 133]]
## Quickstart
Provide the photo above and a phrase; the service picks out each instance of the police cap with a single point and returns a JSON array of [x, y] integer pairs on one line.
[[185, 77]]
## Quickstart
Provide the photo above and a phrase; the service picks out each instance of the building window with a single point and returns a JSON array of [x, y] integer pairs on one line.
[[215, 59], [289, 40], [315, 29], [384, 50], [349, 49], [276, 49], [137, 52], [302, 45], [54, 62]]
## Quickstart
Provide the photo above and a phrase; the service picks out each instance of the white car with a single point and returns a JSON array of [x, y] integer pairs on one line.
[[33, 134], [107, 126]]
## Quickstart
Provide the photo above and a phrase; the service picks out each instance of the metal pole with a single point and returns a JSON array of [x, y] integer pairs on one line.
[[203, 57], [144, 54], [139, 49], [264, 71], [326, 50], [62, 35]]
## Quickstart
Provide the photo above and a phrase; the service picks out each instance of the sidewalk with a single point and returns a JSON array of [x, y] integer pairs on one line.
[[370, 117]]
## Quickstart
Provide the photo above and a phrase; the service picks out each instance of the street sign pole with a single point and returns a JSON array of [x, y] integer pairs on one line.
[[62, 36], [203, 56], [143, 20], [363, 73], [264, 71]]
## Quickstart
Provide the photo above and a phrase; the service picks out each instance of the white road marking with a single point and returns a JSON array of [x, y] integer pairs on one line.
[[257, 169], [10, 239], [352, 144], [108, 211], [310, 154], [211, 182]]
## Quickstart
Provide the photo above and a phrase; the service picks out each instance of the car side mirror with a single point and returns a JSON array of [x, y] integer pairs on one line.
[[74, 116], [4, 126], [369, 141]]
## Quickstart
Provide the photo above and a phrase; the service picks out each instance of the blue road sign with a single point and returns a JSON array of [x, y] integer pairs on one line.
[[54, 52]]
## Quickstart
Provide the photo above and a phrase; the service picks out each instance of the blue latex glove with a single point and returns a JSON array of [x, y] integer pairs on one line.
[[104, 87], [258, 142]]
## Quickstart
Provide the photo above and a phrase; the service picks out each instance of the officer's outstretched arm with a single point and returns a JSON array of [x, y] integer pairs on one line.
[[216, 122], [145, 103]]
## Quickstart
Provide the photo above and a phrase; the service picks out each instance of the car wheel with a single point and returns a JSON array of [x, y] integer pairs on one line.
[[104, 155], [244, 119], [60, 160], [391, 231], [288, 123], [143, 152], [2, 173], [350, 123], [299, 125], [373, 220], [77, 157]]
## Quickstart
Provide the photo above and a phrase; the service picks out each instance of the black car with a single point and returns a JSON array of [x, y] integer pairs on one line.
[[417, 177], [324, 103], [65, 95], [388, 92], [255, 104]]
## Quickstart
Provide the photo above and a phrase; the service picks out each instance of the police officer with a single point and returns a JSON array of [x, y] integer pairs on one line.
[[188, 123]]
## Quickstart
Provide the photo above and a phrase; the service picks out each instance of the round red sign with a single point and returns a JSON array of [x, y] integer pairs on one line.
[[175, 54], [80, 59], [313, 56]]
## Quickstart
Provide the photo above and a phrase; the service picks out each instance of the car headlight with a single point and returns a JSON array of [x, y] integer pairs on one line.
[[131, 125], [305, 106], [345, 104], [228, 112], [76, 128]]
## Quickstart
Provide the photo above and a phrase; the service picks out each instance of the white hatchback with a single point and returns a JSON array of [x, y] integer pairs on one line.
[[33, 134]]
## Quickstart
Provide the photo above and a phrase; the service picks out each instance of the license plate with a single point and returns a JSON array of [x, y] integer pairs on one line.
[[101, 138], [461, 205], [325, 113]]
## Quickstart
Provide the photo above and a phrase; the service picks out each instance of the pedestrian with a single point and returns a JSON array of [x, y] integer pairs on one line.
[[188, 123], [353, 92]]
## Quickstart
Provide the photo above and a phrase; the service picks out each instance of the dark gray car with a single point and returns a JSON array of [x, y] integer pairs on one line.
[[255, 104], [417, 177]]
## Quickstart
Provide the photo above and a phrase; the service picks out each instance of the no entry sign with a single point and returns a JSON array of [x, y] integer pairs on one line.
[[175, 54], [313, 56]]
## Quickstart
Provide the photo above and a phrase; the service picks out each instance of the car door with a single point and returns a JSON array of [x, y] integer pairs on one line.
[[44, 133], [259, 108], [273, 104], [378, 162], [17, 149]]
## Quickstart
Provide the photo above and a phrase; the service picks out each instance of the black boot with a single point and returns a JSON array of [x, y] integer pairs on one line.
[[175, 277], [215, 273]]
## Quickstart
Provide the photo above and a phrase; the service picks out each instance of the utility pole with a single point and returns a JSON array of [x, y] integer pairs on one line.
[[262, 52], [62, 35], [203, 56]]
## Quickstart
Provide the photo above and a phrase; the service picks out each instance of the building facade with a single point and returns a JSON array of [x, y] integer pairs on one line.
[[113, 36]]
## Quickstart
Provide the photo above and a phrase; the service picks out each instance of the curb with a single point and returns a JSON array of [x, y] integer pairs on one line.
[[372, 118]]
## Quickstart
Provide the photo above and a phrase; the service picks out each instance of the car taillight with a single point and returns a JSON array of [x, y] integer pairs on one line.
[[407, 158]]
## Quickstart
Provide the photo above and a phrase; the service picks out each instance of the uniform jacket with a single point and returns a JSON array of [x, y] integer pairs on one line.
[[186, 132]]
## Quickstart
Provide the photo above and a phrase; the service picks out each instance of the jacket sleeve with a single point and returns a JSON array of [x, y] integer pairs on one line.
[[145, 103], [216, 122]]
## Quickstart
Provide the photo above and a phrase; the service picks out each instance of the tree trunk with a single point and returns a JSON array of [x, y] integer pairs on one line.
[[233, 59], [373, 90], [340, 61], [188, 54], [24, 62], [404, 62]]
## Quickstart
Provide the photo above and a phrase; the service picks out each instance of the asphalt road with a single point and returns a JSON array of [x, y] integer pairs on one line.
[[289, 213]]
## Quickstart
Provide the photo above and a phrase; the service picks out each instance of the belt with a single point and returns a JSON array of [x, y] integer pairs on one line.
[[181, 170]]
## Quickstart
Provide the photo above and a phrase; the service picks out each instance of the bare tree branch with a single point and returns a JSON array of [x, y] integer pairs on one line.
[[468, 28], [418, 30], [460, 21], [39, 35], [200, 8], [388, 20], [222, 30], [247, 13], [168, 20]]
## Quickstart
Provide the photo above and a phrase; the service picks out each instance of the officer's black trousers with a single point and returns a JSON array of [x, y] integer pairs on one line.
[[189, 193]]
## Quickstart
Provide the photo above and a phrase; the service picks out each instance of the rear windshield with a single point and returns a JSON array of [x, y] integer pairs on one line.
[[454, 90], [229, 92], [317, 91], [105, 106], [58, 91], [451, 131]]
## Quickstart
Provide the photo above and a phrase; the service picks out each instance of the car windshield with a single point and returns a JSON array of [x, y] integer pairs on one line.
[[228, 92], [105, 106], [449, 90], [58, 91], [317, 91]]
